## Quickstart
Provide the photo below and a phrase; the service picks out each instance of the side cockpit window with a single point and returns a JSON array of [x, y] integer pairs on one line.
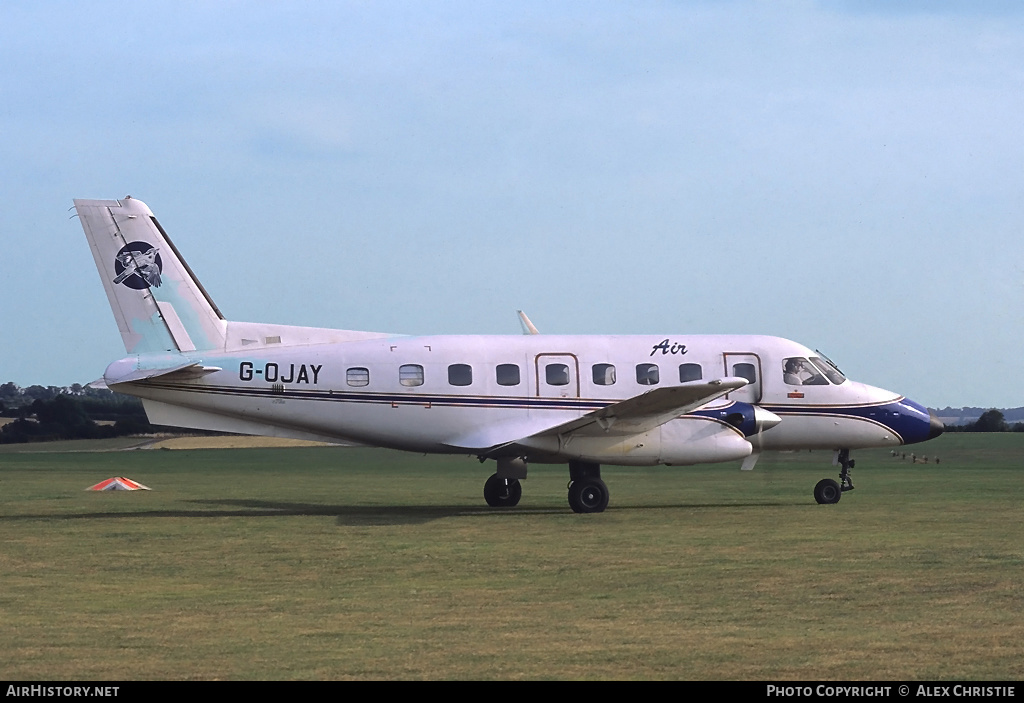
[[798, 371]]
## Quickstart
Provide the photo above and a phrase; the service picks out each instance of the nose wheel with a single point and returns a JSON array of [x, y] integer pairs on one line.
[[828, 491]]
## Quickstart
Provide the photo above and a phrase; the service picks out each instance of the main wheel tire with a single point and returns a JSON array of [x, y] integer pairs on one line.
[[827, 492], [588, 495], [502, 492]]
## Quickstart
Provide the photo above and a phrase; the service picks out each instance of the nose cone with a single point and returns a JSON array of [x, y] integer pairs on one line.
[[915, 423], [935, 426]]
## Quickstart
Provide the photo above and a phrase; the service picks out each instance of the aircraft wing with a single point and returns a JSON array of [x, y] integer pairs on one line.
[[628, 417], [648, 410]]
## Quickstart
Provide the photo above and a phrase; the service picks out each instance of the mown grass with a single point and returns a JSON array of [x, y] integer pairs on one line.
[[328, 563]]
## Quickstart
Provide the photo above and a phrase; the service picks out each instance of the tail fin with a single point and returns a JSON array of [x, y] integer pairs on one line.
[[159, 304]]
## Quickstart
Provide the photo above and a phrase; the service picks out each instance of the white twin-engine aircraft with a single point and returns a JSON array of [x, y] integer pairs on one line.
[[582, 400]]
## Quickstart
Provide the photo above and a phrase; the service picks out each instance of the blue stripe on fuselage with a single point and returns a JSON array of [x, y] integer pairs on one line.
[[910, 421]]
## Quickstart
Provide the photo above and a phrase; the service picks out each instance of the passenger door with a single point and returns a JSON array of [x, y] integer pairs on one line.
[[557, 375], [745, 365]]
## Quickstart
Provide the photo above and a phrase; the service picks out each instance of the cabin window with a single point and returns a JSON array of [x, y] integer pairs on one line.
[[460, 374], [746, 371], [647, 374], [557, 374], [604, 374], [410, 375], [690, 372], [797, 371], [507, 374], [358, 376]]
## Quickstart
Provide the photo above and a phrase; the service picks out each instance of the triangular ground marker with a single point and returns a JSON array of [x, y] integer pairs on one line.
[[118, 483]]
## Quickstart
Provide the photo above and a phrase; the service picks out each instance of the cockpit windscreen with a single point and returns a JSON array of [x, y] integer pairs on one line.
[[830, 370], [816, 371]]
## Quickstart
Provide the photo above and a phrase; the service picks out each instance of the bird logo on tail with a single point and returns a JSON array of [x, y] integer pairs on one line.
[[138, 265]]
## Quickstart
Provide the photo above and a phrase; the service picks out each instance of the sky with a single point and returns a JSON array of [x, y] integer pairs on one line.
[[849, 175]]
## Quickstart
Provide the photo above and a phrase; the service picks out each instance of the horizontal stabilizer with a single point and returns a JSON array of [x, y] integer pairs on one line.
[[126, 371]]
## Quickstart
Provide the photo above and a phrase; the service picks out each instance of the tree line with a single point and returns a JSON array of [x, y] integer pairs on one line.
[[990, 421], [44, 413]]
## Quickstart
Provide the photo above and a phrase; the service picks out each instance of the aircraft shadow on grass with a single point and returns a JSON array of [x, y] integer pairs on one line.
[[354, 515], [364, 515]]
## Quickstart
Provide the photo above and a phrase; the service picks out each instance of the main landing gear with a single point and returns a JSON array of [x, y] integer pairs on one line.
[[502, 492], [587, 492], [503, 489], [828, 491]]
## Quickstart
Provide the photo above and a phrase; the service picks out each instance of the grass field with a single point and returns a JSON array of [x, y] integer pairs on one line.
[[331, 563]]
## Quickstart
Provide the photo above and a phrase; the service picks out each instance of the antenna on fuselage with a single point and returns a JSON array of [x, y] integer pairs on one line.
[[528, 327]]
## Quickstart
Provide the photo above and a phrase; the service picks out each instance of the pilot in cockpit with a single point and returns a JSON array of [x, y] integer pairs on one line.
[[798, 372], [791, 374]]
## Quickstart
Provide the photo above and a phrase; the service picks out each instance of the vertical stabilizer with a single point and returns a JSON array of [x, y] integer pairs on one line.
[[158, 303]]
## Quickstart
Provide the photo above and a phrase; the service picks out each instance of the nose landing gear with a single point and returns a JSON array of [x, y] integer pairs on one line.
[[828, 491]]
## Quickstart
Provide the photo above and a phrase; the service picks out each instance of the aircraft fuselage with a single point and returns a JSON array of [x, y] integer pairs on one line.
[[435, 393]]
